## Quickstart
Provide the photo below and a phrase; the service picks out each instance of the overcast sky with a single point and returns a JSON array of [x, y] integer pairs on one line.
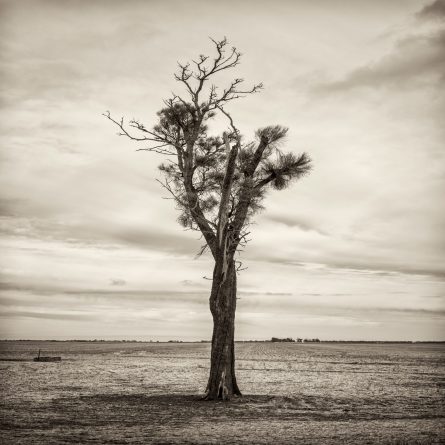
[[353, 251]]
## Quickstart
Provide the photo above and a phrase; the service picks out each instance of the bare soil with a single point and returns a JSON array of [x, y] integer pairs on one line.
[[128, 393]]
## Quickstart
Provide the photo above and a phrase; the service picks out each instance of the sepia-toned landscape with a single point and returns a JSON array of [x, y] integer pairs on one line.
[[130, 392], [221, 222]]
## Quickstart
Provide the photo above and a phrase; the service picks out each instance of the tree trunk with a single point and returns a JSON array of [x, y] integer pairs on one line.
[[222, 381]]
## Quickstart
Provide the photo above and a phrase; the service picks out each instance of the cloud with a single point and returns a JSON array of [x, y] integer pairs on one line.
[[85, 233], [196, 296], [156, 240], [39, 288], [292, 221], [193, 284], [56, 303], [48, 315], [434, 11], [380, 268], [416, 60], [362, 311], [9, 206], [280, 294], [360, 266], [68, 59]]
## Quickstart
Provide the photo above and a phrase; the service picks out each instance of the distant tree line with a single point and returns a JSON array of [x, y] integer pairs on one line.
[[276, 340], [298, 340]]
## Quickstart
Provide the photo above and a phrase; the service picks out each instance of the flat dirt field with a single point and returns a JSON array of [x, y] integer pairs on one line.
[[127, 393]]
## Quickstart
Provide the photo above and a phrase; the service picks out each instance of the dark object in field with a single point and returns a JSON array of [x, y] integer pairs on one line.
[[47, 358]]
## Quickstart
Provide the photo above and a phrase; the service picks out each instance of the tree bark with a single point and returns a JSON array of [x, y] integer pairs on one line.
[[222, 381]]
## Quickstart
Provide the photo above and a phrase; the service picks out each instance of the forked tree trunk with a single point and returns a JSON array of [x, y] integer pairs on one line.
[[222, 381]]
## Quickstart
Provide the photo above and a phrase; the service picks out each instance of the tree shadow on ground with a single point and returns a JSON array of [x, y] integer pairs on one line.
[[253, 406], [186, 418]]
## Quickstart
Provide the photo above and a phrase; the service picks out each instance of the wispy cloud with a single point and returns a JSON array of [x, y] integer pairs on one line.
[[112, 293], [416, 60], [433, 11], [48, 315], [359, 265], [111, 235], [296, 222]]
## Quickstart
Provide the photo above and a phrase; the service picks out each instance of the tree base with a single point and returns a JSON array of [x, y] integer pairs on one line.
[[221, 398], [224, 390]]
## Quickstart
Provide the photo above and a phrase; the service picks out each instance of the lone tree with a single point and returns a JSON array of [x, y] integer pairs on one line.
[[218, 183]]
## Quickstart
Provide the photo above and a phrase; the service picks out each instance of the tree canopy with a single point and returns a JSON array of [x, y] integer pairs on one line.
[[217, 181]]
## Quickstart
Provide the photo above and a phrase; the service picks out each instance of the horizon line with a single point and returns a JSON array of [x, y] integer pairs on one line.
[[209, 341]]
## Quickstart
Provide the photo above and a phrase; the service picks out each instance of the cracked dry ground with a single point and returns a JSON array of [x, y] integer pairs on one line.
[[149, 393]]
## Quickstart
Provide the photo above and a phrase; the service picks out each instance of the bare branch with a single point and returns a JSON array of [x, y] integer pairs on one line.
[[232, 125], [120, 124], [202, 250], [203, 71]]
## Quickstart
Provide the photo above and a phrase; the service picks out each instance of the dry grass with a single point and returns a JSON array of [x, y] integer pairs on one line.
[[149, 393]]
